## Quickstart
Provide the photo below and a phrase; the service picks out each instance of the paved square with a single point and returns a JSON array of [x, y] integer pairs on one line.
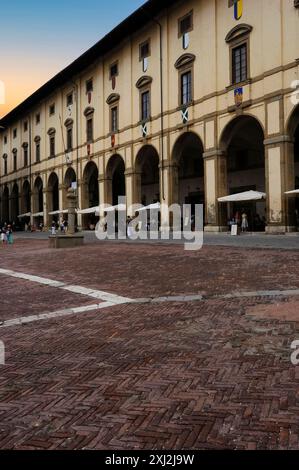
[[148, 347]]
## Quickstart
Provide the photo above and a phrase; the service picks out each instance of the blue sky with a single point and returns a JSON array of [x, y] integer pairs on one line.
[[39, 39]]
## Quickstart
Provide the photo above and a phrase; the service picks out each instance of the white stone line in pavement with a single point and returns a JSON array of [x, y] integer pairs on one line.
[[59, 313], [93, 293], [97, 294], [262, 293]]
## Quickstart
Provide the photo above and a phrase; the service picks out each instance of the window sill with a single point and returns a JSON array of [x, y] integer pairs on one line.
[[239, 84]]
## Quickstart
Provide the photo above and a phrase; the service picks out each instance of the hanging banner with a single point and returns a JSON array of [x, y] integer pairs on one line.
[[238, 8]]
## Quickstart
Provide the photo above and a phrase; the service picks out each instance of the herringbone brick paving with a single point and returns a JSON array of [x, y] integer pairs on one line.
[[197, 375]]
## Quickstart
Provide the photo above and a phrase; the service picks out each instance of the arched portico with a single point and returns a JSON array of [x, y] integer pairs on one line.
[[52, 196], [69, 178], [188, 171], [38, 203], [242, 144], [5, 205], [90, 193], [116, 182], [147, 176], [15, 203], [292, 203]]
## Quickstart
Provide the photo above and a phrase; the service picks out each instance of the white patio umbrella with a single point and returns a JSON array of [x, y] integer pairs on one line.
[[22, 216], [118, 207], [293, 193], [243, 197], [89, 210], [38, 214], [59, 212], [153, 206]]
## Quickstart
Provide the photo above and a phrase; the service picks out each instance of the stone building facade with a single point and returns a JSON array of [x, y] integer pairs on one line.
[[185, 101]]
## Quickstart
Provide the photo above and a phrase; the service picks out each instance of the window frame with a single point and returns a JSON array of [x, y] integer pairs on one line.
[[37, 118], [114, 130], [68, 96], [181, 19], [233, 48], [89, 81], [141, 45], [52, 145], [15, 159], [114, 64], [89, 138], [69, 132], [52, 109], [142, 92], [182, 72]]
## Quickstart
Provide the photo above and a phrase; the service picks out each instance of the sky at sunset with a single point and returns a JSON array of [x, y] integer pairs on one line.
[[38, 39]]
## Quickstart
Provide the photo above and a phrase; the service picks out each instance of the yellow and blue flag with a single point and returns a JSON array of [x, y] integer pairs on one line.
[[238, 8]]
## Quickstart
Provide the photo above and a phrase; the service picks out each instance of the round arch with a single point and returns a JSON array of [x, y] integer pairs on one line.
[[15, 203], [70, 177], [147, 175], [53, 194], [242, 141], [187, 157], [5, 205], [38, 204], [90, 193], [115, 171], [292, 129], [26, 197]]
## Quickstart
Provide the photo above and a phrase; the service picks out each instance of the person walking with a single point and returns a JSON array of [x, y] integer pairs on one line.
[[244, 225], [9, 235], [3, 236]]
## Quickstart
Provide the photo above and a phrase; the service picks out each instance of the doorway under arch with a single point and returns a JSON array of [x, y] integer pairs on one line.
[[189, 185], [90, 194], [243, 143], [116, 179], [147, 180], [15, 204]]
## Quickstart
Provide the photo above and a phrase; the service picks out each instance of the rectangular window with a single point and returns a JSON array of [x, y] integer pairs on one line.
[[37, 152], [69, 139], [25, 157], [52, 146], [5, 166], [25, 126], [114, 119], [14, 133], [239, 64], [144, 50], [186, 24], [89, 86], [5, 139], [52, 109], [37, 118], [15, 161], [69, 99], [145, 105], [89, 129], [186, 88], [114, 70]]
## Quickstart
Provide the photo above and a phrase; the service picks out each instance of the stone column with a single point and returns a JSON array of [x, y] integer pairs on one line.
[[105, 190], [47, 217], [215, 171], [169, 190], [78, 199], [279, 166], [61, 188], [129, 176]]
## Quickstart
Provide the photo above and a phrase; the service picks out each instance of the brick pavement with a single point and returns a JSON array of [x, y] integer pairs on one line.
[[197, 375]]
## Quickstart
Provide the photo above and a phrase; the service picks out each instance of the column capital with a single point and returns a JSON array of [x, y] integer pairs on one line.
[[168, 164], [279, 139], [213, 153]]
